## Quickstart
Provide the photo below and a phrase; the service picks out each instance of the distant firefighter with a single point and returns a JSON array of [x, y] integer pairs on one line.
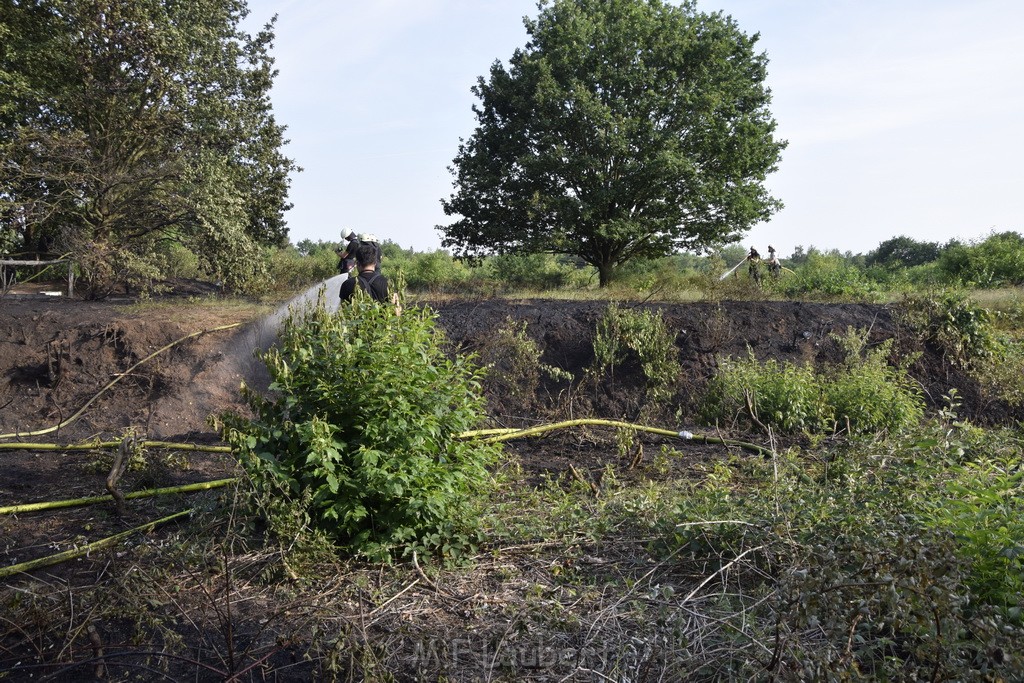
[[754, 265], [774, 265]]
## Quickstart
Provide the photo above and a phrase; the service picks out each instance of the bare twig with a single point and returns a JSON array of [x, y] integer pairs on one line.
[[121, 461], [748, 398], [719, 571], [583, 480]]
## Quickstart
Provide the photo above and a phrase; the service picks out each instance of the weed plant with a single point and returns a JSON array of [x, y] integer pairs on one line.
[[512, 366], [644, 335], [849, 564], [360, 432], [829, 277], [864, 395], [985, 343]]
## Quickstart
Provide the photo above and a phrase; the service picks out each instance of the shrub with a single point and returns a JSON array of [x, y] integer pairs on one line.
[[642, 333], [291, 271], [864, 395], [784, 395], [177, 260], [103, 267], [828, 276], [867, 395], [849, 583], [658, 276], [435, 270], [364, 423], [995, 261], [982, 506], [530, 271], [512, 363], [954, 323]]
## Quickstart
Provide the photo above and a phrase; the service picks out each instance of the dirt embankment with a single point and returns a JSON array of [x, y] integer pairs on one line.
[[705, 332], [56, 354]]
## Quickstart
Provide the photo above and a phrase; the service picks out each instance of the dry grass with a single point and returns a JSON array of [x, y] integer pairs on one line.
[[561, 609]]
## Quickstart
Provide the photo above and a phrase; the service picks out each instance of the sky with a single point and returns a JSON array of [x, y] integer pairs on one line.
[[903, 117]]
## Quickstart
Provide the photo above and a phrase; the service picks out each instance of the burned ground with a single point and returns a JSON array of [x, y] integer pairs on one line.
[[57, 354]]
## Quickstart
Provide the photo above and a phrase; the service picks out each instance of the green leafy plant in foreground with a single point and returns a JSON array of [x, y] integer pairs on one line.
[[361, 430]]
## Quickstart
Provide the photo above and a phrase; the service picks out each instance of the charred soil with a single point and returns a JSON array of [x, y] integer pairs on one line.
[[58, 355]]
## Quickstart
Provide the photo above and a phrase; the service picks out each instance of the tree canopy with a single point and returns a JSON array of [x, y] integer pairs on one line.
[[903, 252], [127, 127], [624, 129]]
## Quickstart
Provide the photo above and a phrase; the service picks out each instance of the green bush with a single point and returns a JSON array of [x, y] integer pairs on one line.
[[176, 260], [828, 276], [950, 320], [996, 261], [104, 267], [985, 343], [435, 270], [291, 271], [891, 561], [530, 271], [660, 276], [983, 506], [363, 422], [849, 582], [865, 395], [784, 395]]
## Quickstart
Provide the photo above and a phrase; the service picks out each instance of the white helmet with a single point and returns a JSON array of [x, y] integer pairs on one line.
[[368, 237]]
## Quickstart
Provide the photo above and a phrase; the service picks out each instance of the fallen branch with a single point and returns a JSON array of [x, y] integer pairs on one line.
[[720, 570], [121, 460]]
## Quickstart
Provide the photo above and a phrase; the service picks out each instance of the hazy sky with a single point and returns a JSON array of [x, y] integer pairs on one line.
[[903, 116]]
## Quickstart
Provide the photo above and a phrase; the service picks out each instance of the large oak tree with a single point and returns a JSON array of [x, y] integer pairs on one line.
[[624, 129], [127, 126]]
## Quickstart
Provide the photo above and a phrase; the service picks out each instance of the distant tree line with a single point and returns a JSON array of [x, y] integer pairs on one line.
[[897, 264], [994, 261]]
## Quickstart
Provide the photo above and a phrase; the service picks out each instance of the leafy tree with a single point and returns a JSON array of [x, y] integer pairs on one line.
[[800, 255], [903, 252], [624, 129], [127, 126]]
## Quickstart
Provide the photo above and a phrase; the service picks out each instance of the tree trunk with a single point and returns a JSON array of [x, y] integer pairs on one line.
[[604, 273]]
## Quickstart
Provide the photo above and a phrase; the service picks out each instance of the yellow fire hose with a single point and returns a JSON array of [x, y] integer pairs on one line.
[[486, 435], [74, 553]]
